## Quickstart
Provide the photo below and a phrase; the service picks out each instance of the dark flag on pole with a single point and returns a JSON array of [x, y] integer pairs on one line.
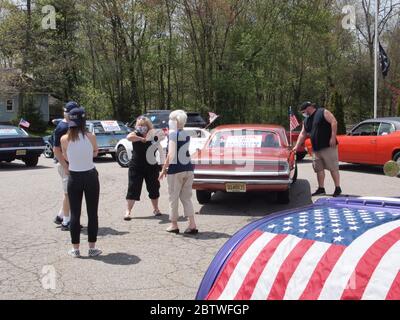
[[384, 61]]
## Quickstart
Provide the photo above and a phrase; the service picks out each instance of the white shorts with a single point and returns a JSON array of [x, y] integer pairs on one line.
[[63, 176]]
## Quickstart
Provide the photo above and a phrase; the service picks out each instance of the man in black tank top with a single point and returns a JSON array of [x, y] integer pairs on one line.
[[321, 126]]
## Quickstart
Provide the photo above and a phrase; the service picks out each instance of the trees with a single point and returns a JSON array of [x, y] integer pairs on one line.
[[246, 60]]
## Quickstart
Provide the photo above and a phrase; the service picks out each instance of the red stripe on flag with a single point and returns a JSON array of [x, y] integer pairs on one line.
[[367, 265], [321, 272], [222, 280], [287, 269], [394, 292], [246, 290]]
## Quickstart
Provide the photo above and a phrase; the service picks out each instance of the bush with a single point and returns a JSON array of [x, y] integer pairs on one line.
[[31, 114]]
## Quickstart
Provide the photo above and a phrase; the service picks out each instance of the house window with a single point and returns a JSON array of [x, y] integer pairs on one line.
[[10, 106]]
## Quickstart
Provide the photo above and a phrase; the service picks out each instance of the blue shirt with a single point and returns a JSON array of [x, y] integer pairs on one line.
[[181, 161]]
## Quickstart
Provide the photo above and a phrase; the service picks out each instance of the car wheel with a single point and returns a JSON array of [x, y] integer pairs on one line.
[[48, 151], [203, 197], [294, 179], [31, 161], [122, 157], [396, 158], [283, 197], [300, 156]]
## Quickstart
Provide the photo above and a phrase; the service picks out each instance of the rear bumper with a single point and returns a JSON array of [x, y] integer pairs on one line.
[[11, 153]]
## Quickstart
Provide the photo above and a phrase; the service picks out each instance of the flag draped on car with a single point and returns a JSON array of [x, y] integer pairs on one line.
[[24, 123], [293, 120], [327, 251], [384, 61]]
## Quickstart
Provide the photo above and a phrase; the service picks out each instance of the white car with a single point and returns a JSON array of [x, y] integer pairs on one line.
[[198, 138]]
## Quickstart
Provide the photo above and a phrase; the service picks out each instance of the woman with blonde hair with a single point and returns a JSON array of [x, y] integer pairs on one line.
[[179, 169], [143, 166], [79, 147]]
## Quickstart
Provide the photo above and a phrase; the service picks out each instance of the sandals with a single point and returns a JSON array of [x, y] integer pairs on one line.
[[127, 217], [191, 231], [157, 213], [172, 230]]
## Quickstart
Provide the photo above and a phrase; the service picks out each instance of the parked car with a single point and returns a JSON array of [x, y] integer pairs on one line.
[[342, 248], [16, 143], [242, 158], [107, 132], [373, 142], [198, 138], [160, 118]]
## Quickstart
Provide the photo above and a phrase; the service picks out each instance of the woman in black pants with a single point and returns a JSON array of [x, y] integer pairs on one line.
[[79, 147], [143, 166]]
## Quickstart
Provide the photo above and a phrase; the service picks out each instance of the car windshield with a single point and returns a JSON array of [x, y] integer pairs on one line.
[[195, 118], [245, 139], [12, 131], [109, 128], [159, 120]]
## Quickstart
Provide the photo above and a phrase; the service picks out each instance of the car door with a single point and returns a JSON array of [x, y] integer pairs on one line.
[[385, 142], [359, 146]]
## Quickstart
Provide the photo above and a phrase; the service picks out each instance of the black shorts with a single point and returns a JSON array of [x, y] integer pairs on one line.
[[136, 177]]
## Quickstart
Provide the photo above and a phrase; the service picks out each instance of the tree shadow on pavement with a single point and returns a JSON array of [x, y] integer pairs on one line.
[[106, 231], [207, 235], [163, 219], [119, 258]]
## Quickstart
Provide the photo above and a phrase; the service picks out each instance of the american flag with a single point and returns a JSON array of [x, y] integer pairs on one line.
[[326, 252], [212, 116], [293, 120], [24, 123]]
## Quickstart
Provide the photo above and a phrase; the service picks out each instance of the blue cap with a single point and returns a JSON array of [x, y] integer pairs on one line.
[[76, 117], [70, 106]]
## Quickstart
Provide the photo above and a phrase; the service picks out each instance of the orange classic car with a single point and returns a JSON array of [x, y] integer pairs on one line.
[[373, 141], [242, 158]]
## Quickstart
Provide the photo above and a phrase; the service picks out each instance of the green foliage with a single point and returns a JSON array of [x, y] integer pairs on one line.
[[336, 106]]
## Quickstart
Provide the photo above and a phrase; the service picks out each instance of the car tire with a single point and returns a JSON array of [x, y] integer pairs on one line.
[[31, 161], [283, 197], [122, 157], [203, 196], [300, 156], [396, 158], [48, 151], [294, 179]]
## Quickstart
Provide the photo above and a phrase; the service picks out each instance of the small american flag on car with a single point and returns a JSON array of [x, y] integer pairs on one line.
[[24, 123], [331, 250], [293, 120]]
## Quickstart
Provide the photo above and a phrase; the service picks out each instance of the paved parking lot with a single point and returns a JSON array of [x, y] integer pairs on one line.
[[140, 260]]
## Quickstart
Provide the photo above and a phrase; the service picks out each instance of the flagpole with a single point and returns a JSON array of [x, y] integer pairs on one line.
[[376, 60], [290, 127]]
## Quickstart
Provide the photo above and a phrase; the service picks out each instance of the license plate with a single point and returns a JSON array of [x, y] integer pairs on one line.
[[235, 187], [21, 152]]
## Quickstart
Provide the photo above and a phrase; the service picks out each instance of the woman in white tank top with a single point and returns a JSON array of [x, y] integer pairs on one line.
[[79, 147]]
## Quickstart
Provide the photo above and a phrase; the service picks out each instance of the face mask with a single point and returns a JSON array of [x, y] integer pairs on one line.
[[305, 115], [141, 129], [172, 125]]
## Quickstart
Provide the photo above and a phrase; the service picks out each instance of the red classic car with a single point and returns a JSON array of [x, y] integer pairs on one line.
[[373, 141], [241, 158], [301, 151]]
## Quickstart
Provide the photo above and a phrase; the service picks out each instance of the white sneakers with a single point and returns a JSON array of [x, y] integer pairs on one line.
[[93, 252]]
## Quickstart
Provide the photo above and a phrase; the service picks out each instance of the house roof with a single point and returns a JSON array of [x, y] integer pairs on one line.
[[13, 80]]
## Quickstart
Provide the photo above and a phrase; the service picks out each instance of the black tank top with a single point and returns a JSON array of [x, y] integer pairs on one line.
[[319, 129]]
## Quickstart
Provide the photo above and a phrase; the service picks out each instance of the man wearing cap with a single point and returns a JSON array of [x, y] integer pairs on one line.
[[321, 125], [63, 216]]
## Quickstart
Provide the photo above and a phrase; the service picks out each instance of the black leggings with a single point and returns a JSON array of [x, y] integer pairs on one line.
[[78, 183]]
